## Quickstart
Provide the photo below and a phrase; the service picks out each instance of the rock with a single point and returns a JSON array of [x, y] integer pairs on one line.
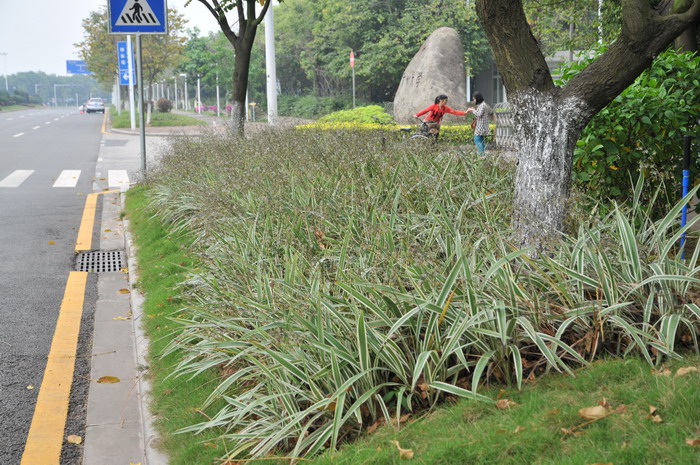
[[437, 68]]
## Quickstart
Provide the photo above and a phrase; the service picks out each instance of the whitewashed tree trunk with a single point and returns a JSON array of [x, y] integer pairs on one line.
[[547, 130]]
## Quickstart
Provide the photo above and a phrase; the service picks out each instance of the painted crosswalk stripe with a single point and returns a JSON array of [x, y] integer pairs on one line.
[[16, 178], [117, 178], [67, 178]]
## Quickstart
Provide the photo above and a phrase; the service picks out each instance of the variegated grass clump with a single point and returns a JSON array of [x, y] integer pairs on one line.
[[348, 281]]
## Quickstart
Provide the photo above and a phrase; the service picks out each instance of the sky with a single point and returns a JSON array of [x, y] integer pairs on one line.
[[38, 35]]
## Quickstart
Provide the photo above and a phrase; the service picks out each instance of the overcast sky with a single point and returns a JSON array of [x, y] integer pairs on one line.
[[38, 35]]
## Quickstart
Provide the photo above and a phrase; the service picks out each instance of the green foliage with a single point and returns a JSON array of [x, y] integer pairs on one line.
[[309, 106], [641, 131], [315, 39], [365, 114]]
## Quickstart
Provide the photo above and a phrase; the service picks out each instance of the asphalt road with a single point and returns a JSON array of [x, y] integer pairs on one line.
[[47, 165]]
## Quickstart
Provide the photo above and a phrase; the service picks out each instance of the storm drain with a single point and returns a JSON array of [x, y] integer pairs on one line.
[[100, 262]]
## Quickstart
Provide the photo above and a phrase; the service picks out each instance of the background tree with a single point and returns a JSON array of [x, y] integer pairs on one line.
[[241, 34], [550, 119], [160, 53]]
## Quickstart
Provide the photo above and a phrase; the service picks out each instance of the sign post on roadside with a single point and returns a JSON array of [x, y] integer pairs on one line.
[[127, 77], [352, 65], [139, 17]]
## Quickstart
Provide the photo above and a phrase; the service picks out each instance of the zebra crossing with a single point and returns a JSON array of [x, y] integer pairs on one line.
[[66, 178]]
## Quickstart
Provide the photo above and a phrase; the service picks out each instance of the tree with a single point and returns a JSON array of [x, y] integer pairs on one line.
[[550, 119], [242, 40], [160, 53]]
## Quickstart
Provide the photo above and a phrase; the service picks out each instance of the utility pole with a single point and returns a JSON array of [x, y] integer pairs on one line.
[[271, 67]]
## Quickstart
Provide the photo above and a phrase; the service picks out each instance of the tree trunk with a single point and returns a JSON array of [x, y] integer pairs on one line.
[[549, 119], [240, 87], [548, 129]]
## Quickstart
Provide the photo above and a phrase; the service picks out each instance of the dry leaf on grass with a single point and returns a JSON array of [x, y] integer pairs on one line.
[[372, 428], [108, 380], [124, 291], [663, 372], [686, 370], [653, 415], [693, 441], [73, 439], [504, 404], [593, 413], [518, 429], [404, 454]]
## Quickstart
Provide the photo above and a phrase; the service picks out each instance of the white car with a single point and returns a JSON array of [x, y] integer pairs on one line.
[[94, 105]]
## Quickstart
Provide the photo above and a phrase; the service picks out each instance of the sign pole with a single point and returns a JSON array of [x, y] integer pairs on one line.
[[352, 66], [130, 61], [142, 120]]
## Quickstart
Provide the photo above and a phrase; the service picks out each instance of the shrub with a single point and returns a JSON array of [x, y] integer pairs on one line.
[[366, 114], [310, 106], [641, 131], [164, 105]]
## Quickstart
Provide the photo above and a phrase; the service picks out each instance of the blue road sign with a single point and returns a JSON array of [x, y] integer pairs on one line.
[[138, 17], [77, 67], [123, 58]]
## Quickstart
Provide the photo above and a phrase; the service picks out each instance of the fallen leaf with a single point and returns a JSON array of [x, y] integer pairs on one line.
[[501, 394], [331, 406], [124, 269], [372, 428], [518, 429], [656, 419], [686, 370], [73, 439], [210, 444], [663, 372], [120, 318], [124, 291], [504, 404], [108, 230], [30, 387], [404, 418], [404, 454], [108, 380], [52, 242], [692, 441], [593, 413], [604, 403], [652, 410]]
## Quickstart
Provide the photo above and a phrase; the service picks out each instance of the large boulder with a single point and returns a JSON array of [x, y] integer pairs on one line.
[[437, 68]]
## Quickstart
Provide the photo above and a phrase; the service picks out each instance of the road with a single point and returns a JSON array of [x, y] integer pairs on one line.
[[47, 166]]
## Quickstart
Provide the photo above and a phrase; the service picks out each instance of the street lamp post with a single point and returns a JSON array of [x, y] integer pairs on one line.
[[55, 99], [7, 86], [175, 78], [187, 95], [199, 98]]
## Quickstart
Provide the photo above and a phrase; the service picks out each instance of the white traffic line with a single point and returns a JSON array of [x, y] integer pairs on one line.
[[48, 122], [9, 119], [16, 178], [36, 127], [68, 178], [117, 178], [18, 134]]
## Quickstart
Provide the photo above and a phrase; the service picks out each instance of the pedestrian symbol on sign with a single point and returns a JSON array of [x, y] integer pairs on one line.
[[137, 12]]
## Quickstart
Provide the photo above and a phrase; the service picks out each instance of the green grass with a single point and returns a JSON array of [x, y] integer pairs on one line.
[[157, 120], [163, 264], [18, 107], [478, 434]]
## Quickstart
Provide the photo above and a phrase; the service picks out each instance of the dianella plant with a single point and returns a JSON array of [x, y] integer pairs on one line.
[[347, 280]]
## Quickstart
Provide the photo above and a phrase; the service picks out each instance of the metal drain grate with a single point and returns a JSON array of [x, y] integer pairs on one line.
[[100, 262]]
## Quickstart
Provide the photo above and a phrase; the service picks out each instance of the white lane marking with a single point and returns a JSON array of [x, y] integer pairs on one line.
[[18, 134], [36, 127], [56, 119], [9, 119], [16, 178], [67, 178], [48, 122], [117, 178], [22, 116]]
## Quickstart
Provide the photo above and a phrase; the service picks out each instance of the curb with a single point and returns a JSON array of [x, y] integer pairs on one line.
[[152, 456]]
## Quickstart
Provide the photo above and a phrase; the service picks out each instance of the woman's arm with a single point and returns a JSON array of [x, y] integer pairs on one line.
[[454, 112], [422, 112]]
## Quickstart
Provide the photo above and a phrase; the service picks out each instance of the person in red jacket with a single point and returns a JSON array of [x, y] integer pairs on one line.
[[431, 123]]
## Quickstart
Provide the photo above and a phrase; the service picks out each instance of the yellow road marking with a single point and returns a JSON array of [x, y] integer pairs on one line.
[[45, 437], [87, 224]]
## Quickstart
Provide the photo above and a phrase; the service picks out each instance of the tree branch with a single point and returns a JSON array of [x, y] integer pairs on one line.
[[263, 12], [220, 15], [518, 54]]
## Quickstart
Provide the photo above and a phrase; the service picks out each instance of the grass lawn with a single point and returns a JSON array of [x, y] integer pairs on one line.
[[157, 120], [532, 431], [162, 266], [541, 426]]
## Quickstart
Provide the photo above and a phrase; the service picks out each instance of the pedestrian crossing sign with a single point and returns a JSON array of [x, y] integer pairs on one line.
[[138, 17]]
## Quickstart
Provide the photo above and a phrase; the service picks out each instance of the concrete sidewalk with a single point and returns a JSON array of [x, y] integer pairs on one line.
[[118, 426]]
